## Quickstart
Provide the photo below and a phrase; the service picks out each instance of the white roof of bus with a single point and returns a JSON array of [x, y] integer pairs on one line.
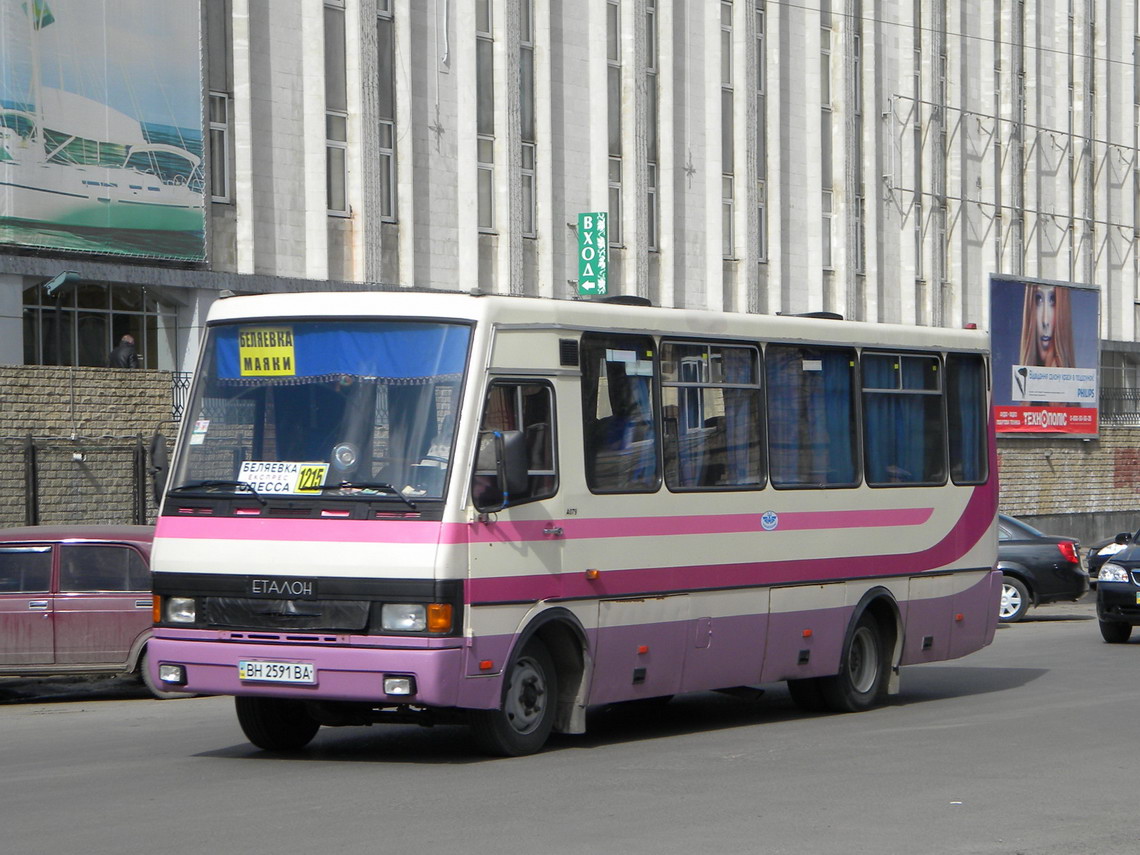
[[585, 314]]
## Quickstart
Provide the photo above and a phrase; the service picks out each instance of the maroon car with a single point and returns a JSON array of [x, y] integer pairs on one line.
[[75, 600]]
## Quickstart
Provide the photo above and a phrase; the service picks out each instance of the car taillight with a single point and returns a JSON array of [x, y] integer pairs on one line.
[[1069, 552]]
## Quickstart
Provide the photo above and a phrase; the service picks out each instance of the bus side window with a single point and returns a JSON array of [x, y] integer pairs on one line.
[[619, 422], [966, 411], [526, 407], [904, 428]]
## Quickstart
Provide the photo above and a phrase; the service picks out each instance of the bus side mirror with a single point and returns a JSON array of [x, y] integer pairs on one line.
[[159, 463], [511, 464]]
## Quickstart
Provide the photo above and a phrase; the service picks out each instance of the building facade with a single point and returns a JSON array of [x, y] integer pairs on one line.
[[878, 160]]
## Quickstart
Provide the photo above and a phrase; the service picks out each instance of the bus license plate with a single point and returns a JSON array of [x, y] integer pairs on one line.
[[277, 672]]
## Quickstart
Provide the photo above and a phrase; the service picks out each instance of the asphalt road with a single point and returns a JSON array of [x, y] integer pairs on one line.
[[1025, 747]]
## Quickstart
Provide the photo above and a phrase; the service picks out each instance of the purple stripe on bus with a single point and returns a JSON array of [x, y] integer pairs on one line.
[[972, 526]]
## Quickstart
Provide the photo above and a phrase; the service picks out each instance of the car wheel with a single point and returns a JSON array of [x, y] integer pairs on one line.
[[523, 722], [276, 724], [156, 688], [1014, 600], [1115, 632], [862, 676]]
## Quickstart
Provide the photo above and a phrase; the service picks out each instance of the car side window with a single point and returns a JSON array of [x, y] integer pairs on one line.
[[100, 567], [25, 569]]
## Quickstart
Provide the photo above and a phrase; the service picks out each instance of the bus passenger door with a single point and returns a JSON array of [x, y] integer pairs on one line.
[[516, 550]]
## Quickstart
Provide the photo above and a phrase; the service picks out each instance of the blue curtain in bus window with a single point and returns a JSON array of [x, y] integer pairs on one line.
[[811, 428], [903, 433], [390, 351], [966, 410], [741, 419]]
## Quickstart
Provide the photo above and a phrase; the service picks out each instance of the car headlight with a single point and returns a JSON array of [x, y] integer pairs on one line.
[[1113, 573], [1111, 549], [181, 610]]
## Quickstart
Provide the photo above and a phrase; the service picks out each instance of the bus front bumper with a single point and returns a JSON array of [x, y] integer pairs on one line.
[[428, 677]]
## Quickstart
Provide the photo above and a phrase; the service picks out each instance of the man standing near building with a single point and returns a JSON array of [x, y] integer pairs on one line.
[[124, 355]]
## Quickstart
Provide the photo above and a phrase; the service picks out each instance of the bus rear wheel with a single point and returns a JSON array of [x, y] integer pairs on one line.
[[276, 724], [862, 677], [525, 718]]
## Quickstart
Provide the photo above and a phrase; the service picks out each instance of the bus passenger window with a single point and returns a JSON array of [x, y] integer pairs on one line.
[[618, 420], [966, 412], [904, 432], [712, 416], [812, 436], [526, 407]]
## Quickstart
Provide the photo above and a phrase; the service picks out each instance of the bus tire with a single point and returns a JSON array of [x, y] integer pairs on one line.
[[276, 724], [862, 678], [1115, 632], [525, 717]]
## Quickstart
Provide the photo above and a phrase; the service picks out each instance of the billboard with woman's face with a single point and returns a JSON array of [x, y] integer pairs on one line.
[[1045, 340]]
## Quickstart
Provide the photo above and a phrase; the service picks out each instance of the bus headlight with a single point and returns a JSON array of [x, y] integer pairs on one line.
[[1113, 573], [181, 610], [416, 617], [404, 617]]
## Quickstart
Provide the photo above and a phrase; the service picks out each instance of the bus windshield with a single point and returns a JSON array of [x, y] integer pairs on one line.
[[309, 408]]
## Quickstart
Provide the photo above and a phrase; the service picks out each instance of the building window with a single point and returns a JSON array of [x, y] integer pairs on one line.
[[485, 113], [336, 111], [526, 103], [761, 135], [825, 130], [386, 115], [91, 319], [727, 128], [613, 99], [219, 79], [219, 147], [651, 119]]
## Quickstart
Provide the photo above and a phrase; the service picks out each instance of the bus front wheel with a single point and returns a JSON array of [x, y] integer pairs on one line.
[[523, 722], [862, 676], [276, 724]]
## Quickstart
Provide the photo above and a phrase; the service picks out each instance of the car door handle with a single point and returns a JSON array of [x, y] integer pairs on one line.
[[39, 605], [143, 604], [554, 531]]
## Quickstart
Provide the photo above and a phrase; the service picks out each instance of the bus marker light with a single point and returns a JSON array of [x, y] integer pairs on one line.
[[439, 617], [807, 633], [959, 617], [592, 574], [642, 649], [486, 665]]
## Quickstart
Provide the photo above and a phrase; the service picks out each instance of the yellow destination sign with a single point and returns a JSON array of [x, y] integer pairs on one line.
[[266, 352]]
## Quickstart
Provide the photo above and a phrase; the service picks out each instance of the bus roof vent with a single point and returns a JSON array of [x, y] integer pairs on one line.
[[626, 300], [827, 316], [568, 352]]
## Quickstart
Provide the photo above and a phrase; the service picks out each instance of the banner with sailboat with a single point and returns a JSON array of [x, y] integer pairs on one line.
[[101, 127]]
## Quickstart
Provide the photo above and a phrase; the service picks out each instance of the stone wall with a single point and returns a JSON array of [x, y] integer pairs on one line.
[[85, 426], [1089, 489]]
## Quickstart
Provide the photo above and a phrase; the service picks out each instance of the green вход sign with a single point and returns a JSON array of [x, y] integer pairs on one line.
[[593, 252]]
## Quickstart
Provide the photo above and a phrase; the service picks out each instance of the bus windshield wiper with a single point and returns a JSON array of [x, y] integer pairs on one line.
[[210, 484], [369, 485]]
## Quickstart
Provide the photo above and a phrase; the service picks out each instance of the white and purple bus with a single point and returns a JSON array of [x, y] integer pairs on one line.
[[503, 510]]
